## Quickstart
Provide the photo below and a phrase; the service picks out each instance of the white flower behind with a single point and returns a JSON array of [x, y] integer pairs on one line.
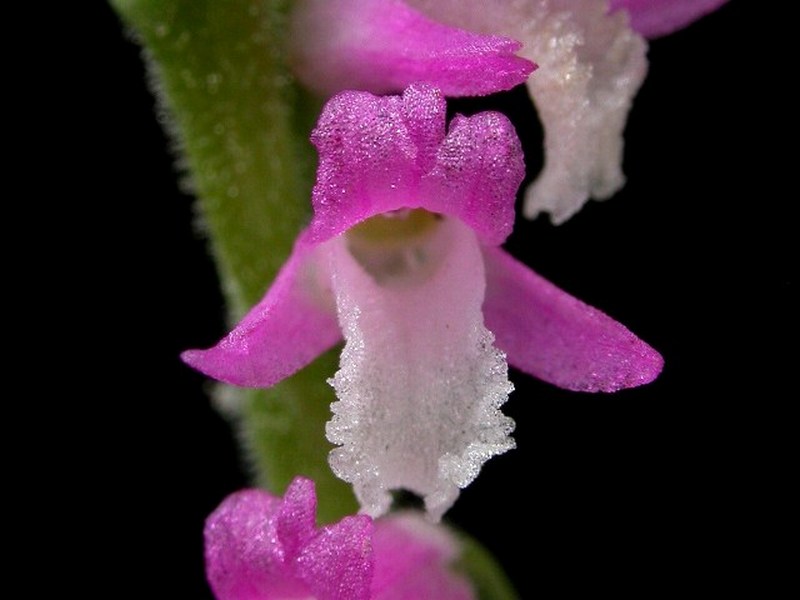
[[591, 64]]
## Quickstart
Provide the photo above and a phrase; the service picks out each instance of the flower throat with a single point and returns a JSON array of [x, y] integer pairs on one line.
[[399, 247]]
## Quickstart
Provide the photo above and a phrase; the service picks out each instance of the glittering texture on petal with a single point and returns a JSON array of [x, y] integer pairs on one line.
[[296, 520], [373, 151], [591, 66], [338, 563], [412, 559], [293, 324], [420, 383], [380, 154], [245, 558], [384, 45], [478, 170], [654, 18], [553, 336], [259, 547], [595, 66]]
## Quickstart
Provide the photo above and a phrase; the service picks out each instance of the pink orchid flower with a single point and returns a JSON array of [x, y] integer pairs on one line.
[[402, 258], [591, 56], [259, 547]]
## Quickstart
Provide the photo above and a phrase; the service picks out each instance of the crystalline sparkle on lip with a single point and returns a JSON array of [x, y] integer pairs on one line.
[[419, 370]]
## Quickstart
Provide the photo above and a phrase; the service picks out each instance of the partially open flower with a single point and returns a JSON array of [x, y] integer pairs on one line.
[[591, 66], [260, 547], [402, 259], [591, 56], [592, 61]]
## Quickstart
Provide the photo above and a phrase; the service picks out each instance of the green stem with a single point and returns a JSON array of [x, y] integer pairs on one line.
[[240, 126], [488, 577]]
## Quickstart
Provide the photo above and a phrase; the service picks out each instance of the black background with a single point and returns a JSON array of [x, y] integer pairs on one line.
[[635, 492]]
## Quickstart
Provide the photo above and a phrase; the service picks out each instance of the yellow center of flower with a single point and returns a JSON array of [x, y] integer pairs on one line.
[[396, 247], [394, 228]]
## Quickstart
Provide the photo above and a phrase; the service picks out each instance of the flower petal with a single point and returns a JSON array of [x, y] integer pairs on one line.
[[373, 151], [592, 65], [338, 563], [244, 558], [420, 383], [654, 18], [479, 167], [557, 338], [412, 561], [293, 324], [381, 154], [296, 520], [384, 45], [259, 547]]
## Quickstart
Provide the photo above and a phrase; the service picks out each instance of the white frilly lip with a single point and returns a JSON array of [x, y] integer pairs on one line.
[[591, 65], [420, 382]]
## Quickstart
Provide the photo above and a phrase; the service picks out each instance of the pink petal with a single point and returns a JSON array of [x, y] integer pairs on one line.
[[337, 563], [296, 521], [380, 154], [413, 559], [244, 559], [479, 168], [383, 45], [373, 151], [654, 18], [292, 325], [555, 337], [259, 547]]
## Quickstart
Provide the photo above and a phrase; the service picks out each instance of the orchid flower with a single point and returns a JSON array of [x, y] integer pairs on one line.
[[591, 56], [259, 547], [402, 259]]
